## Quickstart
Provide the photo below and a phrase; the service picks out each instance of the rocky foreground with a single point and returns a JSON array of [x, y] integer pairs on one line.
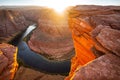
[[95, 31], [8, 61]]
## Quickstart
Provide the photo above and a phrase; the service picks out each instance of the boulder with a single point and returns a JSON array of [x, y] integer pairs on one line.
[[106, 67], [94, 34], [110, 39]]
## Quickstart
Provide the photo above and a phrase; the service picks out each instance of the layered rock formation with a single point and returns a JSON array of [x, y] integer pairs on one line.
[[95, 31], [29, 74], [11, 24], [8, 63], [34, 13], [52, 38]]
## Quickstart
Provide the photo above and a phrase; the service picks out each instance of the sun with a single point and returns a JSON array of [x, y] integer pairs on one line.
[[58, 5], [59, 9]]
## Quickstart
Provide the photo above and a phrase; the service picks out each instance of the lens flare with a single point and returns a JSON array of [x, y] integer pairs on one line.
[[58, 5]]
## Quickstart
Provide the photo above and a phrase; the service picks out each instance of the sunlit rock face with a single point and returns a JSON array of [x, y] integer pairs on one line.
[[24, 73], [11, 24], [95, 31], [82, 42], [52, 38], [8, 63]]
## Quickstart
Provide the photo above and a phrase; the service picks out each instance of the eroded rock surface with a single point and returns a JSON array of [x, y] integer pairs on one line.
[[52, 38], [95, 31], [30, 74], [110, 39], [82, 42], [8, 63], [106, 67], [11, 24]]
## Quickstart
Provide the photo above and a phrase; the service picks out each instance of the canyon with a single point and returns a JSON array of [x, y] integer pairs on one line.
[[88, 35], [52, 37]]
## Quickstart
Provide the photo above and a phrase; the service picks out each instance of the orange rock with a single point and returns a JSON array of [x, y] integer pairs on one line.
[[8, 61], [82, 43], [105, 42]]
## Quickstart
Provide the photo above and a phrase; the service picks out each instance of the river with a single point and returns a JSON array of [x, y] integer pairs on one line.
[[36, 60]]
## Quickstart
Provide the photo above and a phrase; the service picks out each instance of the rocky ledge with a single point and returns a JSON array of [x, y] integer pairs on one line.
[[106, 67], [8, 61], [95, 31]]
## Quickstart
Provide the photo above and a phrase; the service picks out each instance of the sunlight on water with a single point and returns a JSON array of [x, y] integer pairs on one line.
[[29, 29]]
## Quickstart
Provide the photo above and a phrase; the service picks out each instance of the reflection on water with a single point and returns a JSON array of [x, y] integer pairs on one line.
[[29, 29], [37, 61]]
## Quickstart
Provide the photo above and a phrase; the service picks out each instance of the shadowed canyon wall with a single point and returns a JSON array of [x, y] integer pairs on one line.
[[11, 24]]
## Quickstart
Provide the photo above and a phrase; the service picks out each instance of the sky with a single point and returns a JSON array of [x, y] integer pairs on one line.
[[59, 4]]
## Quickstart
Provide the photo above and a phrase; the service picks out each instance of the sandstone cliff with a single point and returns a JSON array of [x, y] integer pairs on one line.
[[95, 31], [11, 24]]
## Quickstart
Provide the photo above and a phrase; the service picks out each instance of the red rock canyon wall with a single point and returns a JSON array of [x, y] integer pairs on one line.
[[95, 31]]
